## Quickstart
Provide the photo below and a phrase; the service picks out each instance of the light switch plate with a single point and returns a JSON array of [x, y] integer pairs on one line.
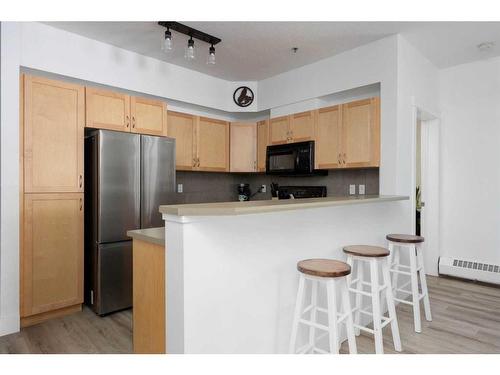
[[352, 189], [263, 188], [179, 188], [361, 189]]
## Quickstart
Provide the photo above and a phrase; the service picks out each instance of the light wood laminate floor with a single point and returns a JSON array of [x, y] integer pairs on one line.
[[466, 319]]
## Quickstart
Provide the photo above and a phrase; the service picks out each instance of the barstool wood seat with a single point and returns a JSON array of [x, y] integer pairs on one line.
[[331, 274], [324, 267], [366, 251], [404, 238]]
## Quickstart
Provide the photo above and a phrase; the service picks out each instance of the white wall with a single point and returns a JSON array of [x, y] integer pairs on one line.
[[470, 172], [9, 193]]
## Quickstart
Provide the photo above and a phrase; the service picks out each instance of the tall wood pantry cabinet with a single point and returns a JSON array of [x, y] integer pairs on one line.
[[52, 126]]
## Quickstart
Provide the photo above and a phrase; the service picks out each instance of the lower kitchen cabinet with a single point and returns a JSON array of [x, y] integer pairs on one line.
[[243, 148], [51, 256]]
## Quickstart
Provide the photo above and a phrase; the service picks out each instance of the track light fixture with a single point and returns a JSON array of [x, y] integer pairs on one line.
[[189, 52], [167, 43], [211, 55]]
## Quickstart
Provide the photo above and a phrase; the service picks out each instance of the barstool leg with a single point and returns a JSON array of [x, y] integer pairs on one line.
[[314, 304], [332, 317], [297, 314], [414, 289], [390, 306], [423, 284], [394, 262], [377, 318], [359, 296], [351, 338]]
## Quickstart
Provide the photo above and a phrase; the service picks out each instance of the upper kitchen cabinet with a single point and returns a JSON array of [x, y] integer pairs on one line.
[[148, 116], [212, 145], [298, 127], [262, 143], [328, 137], [107, 109], [243, 148], [302, 127], [54, 119], [182, 127], [361, 133], [279, 130]]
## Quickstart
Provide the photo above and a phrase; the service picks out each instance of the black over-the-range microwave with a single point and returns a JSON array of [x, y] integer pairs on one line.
[[291, 159]]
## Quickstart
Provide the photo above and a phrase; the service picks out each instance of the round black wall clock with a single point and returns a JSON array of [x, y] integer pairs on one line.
[[243, 96]]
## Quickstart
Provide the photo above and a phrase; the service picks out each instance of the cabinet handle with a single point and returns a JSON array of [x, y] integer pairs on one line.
[[81, 204], [133, 122], [194, 162], [80, 181], [255, 165], [344, 158], [127, 124], [338, 159], [198, 162]]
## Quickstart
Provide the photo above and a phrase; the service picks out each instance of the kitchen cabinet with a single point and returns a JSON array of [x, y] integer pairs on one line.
[[279, 130], [202, 143], [361, 133], [302, 126], [243, 147], [262, 143], [148, 116], [52, 130], [182, 127], [107, 109], [52, 254], [212, 145], [328, 138], [297, 127]]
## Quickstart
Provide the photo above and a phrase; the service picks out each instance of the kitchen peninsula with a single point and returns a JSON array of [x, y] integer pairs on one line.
[[231, 276]]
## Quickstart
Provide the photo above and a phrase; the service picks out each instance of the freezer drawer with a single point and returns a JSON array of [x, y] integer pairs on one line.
[[113, 290]]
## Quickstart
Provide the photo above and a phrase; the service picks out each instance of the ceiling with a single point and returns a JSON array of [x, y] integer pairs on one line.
[[256, 50]]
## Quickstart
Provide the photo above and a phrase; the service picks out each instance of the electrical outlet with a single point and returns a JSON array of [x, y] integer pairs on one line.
[[361, 189], [352, 189], [263, 189], [179, 188]]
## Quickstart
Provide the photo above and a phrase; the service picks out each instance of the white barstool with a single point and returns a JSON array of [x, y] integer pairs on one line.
[[376, 258], [413, 245], [332, 274]]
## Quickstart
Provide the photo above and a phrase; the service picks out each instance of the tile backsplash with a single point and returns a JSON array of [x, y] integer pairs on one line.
[[202, 187]]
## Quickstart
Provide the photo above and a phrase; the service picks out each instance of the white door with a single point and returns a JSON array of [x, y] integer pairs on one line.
[[429, 219]]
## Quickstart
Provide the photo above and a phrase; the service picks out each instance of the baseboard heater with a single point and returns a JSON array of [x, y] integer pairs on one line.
[[469, 269]]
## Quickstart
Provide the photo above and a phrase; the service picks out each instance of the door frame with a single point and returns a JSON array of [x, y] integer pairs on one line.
[[430, 149]]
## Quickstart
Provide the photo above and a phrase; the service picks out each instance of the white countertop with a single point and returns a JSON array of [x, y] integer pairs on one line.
[[263, 206], [152, 235]]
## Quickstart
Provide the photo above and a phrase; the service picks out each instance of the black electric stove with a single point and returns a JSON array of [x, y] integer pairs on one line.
[[298, 192]]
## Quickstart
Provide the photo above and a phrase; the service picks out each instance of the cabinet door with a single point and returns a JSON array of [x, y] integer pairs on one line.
[[52, 259], [262, 143], [107, 109], [328, 138], [182, 127], [213, 145], [279, 130], [302, 126], [148, 116], [361, 133], [53, 136], [243, 147]]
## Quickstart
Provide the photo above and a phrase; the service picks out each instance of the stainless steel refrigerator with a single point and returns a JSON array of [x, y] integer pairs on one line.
[[127, 177]]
